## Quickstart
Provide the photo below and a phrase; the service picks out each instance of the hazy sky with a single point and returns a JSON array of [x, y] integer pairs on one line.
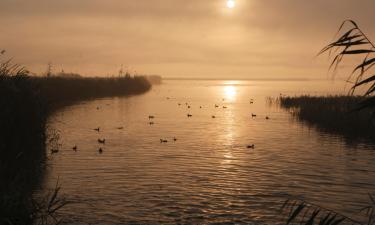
[[178, 38]]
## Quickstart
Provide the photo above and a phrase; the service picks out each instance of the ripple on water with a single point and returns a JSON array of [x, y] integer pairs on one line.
[[208, 175]]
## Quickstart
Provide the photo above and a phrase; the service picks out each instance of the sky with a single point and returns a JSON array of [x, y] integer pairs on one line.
[[273, 39]]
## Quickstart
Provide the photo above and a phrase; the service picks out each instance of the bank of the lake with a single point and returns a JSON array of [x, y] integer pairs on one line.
[[336, 114], [26, 102]]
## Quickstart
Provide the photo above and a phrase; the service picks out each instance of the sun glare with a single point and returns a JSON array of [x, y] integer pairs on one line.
[[230, 93], [231, 4]]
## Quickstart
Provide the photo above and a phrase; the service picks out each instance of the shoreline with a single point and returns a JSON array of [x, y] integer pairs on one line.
[[28, 102], [335, 114]]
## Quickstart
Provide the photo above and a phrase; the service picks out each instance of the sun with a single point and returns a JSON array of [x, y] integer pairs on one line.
[[231, 4]]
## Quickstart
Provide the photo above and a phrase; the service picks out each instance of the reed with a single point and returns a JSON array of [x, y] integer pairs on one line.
[[352, 41], [335, 114], [301, 212], [26, 102]]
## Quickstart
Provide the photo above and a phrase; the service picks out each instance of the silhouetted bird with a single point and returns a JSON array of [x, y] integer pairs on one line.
[[97, 108], [189, 115], [100, 150], [224, 107], [75, 148], [120, 128], [189, 107], [267, 118], [54, 151], [97, 129], [251, 146], [216, 106], [200, 107], [213, 117], [179, 104], [101, 141], [2, 52], [174, 139], [253, 115], [151, 117], [151, 123], [163, 141]]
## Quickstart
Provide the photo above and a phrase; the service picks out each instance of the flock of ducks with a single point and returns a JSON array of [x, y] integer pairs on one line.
[[151, 122], [151, 117]]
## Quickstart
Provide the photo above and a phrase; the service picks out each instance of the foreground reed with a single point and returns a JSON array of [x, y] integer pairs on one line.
[[335, 114]]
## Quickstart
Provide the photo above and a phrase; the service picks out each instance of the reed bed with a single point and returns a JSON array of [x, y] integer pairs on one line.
[[335, 114], [26, 102]]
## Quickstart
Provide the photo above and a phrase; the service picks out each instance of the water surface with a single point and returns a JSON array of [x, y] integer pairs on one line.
[[208, 175]]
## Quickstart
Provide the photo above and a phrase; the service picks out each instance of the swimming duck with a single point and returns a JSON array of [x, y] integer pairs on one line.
[[251, 146]]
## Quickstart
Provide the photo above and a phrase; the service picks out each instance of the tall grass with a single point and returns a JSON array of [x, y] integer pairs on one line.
[[61, 90], [25, 103], [301, 212], [333, 114], [354, 42]]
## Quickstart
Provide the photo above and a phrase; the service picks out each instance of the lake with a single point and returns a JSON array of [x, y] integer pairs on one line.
[[208, 175]]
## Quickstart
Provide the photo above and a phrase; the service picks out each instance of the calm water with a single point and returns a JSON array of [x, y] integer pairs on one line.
[[208, 175]]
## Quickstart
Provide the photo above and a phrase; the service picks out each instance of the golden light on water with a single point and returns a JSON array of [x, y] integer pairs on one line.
[[230, 92]]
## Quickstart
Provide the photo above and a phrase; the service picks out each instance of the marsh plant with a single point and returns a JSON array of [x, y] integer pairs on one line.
[[26, 102], [352, 41], [302, 212]]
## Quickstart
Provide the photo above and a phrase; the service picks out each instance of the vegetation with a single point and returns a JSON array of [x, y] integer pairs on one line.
[[26, 101], [354, 42], [350, 115], [57, 90], [305, 213], [333, 114]]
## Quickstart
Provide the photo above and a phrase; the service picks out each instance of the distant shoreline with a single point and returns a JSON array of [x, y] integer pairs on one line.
[[250, 79]]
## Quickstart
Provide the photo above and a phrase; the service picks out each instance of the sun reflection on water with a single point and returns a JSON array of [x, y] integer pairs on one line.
[[230, 92]]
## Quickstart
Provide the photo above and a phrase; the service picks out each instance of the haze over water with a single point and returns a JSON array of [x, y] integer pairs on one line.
[[208, 175]]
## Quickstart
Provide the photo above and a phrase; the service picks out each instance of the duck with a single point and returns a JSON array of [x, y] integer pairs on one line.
[[179, 104], [100, 150], [189, 115], [151, 123], [253, 115], [174, 139], [120, 128], [163, 141], [101, 141], [151, 117], [224, 107], [216, 106], [200, 107], [213, 117], [251, 146], [267, 118], [54, 151], [97, 129], [189, 107], [75, 148]]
